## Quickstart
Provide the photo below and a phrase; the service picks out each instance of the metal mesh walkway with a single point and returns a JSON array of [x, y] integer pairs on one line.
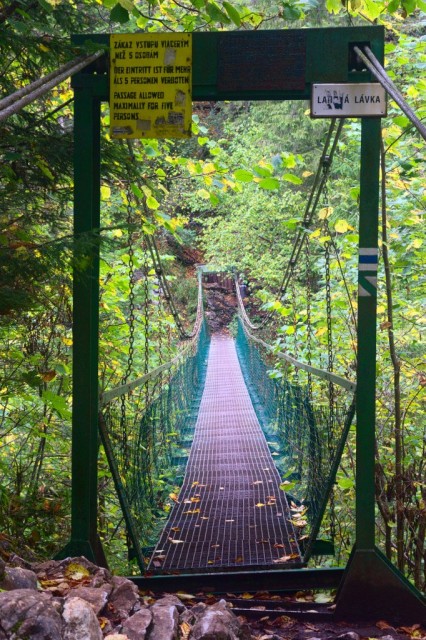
[[231, 512]]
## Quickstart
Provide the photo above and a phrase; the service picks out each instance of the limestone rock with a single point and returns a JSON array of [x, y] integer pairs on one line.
[[136, 627], [97, 598], [124, 597], [17, 578], [165, 621], [2, 568], [80, 621], [219, 623], [349, 635], [171, 600], [30, 615]]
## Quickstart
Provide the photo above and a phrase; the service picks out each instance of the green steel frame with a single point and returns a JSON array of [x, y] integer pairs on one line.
[[369, 584]]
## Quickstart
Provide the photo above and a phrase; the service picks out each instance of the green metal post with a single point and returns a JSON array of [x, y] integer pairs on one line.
[[371, 586], [367, 304], [84, 538]]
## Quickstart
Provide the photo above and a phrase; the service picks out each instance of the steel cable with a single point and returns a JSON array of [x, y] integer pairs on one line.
[[320, 180], [374, 66], [13, 103]]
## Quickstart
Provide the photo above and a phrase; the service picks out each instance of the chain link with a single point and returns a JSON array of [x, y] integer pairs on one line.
[[330, 351], [131, 320], [294, 318], [131, 274], [309, 311]]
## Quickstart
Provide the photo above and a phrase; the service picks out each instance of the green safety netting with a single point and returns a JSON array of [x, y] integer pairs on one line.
[[306, 437], [146, 432]]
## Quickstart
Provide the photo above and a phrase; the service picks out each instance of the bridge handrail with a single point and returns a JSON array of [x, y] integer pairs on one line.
[[106, 397], [320, 373]]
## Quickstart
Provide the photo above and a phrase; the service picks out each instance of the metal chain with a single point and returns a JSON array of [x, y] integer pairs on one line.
[[294, 315], [131, 321], [131, 274], [331, 393], [146, 268], [309, 311]]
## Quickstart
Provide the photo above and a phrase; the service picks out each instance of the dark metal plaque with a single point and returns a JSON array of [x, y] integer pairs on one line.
[[273, 60]]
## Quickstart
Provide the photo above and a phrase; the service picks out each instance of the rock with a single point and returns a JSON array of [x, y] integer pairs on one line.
[[116, 636], [136, 627], [171, 600], [2, 568], [17, 561], [97, 598], [349, 635], [101, 577], [219, 623], [80, 621], [165, 621], [30, 615], [124, 597], [17, 578]]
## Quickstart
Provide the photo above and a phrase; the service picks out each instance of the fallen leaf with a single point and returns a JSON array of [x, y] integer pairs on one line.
[[258, 482], [191, 511], [278, 545], [185, 596], [260, 504], [299, 523], [75, 571], [175, 529], [185, 630], [215, 546], [292, 556], [229, 520], [382, 624], [247, 596], [414, 631], [174, 541], [323, 598], [239, 559]]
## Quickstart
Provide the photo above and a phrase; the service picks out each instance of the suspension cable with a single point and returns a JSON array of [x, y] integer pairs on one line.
[[159, 270], [320, 181], [12, 104], [374, 66]]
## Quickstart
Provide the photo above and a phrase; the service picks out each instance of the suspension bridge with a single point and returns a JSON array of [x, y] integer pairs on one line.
[[256, 456]]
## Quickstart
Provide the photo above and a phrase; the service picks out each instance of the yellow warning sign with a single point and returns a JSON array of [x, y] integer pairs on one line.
[[150, 85]]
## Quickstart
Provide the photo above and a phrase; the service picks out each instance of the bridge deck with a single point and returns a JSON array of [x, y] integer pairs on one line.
[[231, 512]]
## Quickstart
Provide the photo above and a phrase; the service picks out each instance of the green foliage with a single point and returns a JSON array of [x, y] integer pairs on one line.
[[243, 180]]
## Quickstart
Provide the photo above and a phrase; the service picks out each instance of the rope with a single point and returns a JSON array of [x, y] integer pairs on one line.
[[374, 66], [13, 103]]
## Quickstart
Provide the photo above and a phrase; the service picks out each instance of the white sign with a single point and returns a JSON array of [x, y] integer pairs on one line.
[[348, 100]]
